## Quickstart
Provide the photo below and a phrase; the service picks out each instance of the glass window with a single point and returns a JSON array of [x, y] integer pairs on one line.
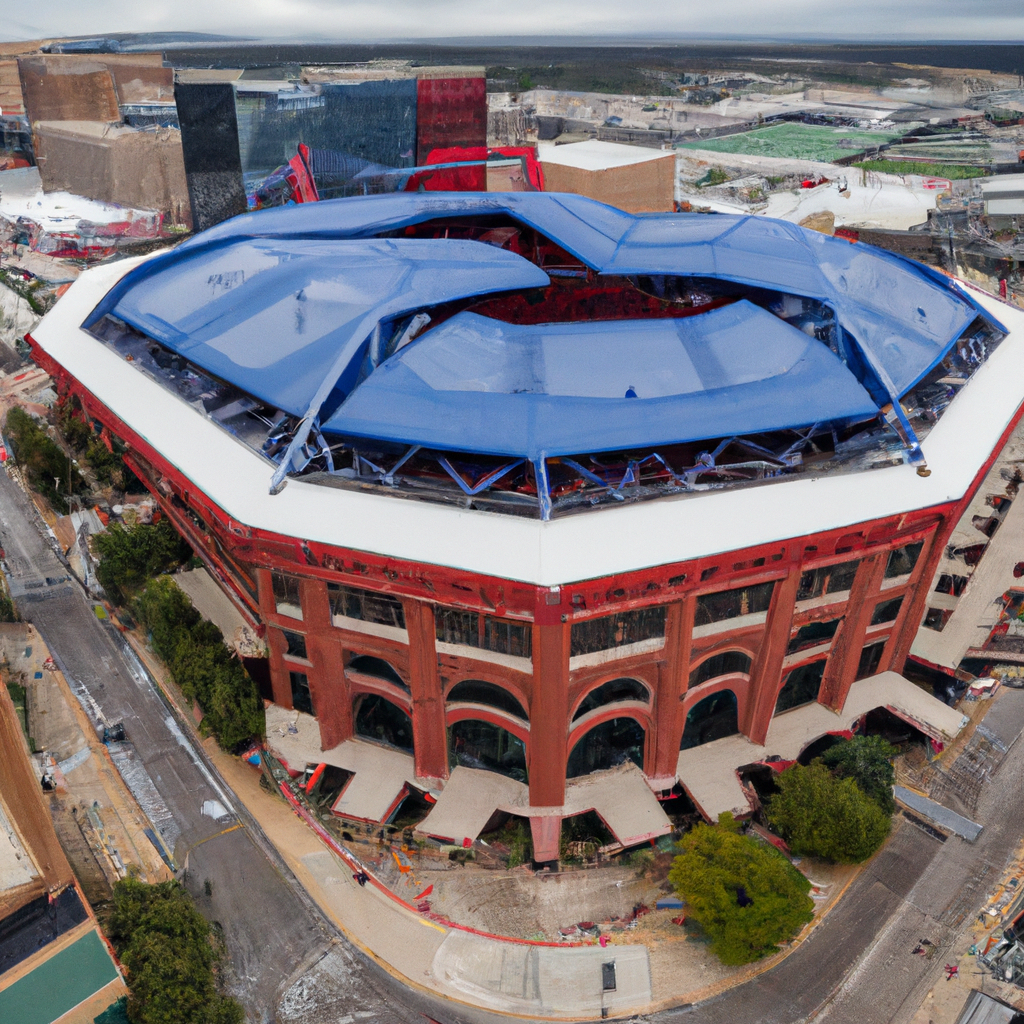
[[870, 658], [286, 595], [730, 604], [611, 693], [612, 631], [476, 691], [936, 618], [488, 632], [886, 611], [379, 719], [302, 699], [712, 718], [950, 583], [827, 579], [295, 644], [902, 560], [366, 605], [483, 745], [368, 665], [801, 686], [812, 634], [607, 746], [720, 665]]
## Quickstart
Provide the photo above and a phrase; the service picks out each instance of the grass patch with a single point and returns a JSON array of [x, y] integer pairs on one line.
[[18, 696], [951, 171], [796, 141]]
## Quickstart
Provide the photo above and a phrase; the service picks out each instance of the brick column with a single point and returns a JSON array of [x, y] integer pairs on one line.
[[912, 612], [672, 678], [327, 685], [280, 683], [767, 668], [549, 720], [430, 737], [841, 669]]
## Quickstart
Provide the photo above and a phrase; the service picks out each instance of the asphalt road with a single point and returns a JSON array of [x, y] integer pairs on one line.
[[856, 967], [271, 929]]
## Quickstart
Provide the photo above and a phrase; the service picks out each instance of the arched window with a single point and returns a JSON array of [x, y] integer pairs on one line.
[[801, 686], [379, 719], [482, 745], [723, 664], [476, 691], [712, 718], [606, 746], [378, 668], [611, 693]]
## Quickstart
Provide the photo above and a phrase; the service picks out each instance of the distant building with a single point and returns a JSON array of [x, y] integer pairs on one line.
[[1004, 200], [544, 507], [631, 178]]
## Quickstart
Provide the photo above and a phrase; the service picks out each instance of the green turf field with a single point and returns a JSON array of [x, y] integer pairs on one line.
[[59, 984], [794, 141]]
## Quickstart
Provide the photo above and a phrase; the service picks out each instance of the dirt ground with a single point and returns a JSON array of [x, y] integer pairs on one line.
[[523, 904], [97, 822], [23, 798]]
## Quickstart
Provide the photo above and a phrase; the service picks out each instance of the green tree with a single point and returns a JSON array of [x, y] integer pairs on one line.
[[47, 468], [744, 894], [129, 556], [201, 664], [822, 816], [868, 761], [171, 956]]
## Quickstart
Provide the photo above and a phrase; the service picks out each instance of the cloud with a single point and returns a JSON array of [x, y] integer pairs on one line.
[[359, 20]]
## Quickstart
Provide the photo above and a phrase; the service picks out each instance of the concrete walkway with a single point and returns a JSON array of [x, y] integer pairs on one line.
[[509, 977], [619, 795], [709, 772], [381, 775]]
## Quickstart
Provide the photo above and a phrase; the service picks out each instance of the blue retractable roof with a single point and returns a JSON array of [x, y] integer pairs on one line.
[[476, 384], [272, 316], [282, 304]]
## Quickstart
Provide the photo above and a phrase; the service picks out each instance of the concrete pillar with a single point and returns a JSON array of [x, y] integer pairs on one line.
[[430, 737], [546, 834], [672, 679], [766, 671], [327, 685], [841, 669]]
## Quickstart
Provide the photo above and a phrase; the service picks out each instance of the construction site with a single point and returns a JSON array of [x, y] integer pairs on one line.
[[559, 470]]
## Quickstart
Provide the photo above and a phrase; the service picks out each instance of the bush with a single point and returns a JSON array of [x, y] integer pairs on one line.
[[822, 816], [129, 556], [171, 957], [868, 761], [744, 894], [42, 461], [207, 672]]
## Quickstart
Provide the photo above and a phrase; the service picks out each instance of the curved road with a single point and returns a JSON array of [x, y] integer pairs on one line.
[[856, 968]]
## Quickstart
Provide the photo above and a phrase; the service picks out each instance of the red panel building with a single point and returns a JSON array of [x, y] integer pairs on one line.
[[576, 508]]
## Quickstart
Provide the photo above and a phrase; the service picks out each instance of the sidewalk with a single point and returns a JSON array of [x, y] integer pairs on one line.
[[511, 976]]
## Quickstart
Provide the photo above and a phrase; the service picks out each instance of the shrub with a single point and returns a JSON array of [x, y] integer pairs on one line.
[[868, 761], [207, 672], [744, 894], [171, 956], [822, 816], [131, 555], [44, 464]]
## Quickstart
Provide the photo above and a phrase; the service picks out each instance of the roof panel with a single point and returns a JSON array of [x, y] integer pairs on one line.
[[275, 315], [474, 384]]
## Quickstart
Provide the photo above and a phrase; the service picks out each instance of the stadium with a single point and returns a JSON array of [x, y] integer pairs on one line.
[[548, 508]]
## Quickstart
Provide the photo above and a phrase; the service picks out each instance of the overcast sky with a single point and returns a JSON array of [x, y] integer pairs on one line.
[[342, 20]]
